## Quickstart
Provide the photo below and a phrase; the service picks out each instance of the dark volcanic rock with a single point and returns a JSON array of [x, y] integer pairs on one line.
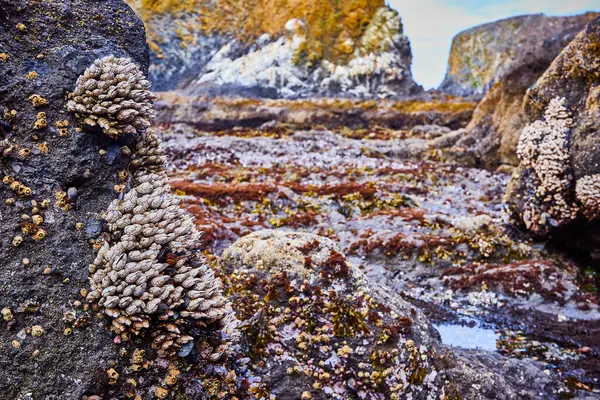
[[44, 47], [556, 190], [483, 55]]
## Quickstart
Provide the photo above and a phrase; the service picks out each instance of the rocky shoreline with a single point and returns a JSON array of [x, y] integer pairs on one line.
[[309, 246]]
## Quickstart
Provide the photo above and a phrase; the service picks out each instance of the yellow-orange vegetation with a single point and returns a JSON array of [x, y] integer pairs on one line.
[[332, 26]]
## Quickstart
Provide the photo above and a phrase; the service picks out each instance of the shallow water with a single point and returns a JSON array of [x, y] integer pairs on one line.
[[468, 338]]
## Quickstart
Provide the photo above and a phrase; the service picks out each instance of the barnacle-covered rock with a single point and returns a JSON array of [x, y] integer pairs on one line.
[[544, 149], [316, 328], [115, 95], [62, 38], [148, 273], [555, 189]]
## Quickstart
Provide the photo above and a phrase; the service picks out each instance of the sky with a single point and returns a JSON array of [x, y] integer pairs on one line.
[[431, 24]]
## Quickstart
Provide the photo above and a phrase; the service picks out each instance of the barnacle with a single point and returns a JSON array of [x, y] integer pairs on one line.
[[63, 126], [24, 152], [114, 95], [6, 148], [37, 331], [17, 187], [7, 314], [17, 240], [40, 234], [10, 115]]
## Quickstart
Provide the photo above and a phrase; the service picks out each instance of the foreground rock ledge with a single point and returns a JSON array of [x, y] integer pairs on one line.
[[316, 329]]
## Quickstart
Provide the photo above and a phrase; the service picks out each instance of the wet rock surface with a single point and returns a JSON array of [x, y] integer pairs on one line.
[[317, 329]]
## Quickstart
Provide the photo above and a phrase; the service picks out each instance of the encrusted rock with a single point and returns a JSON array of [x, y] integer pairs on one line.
[[483, 55], [544, 148], [588, 194], [234, 50], [316, 328]]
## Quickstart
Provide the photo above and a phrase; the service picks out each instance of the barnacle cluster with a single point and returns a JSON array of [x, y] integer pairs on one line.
[[114, 95], [587, 190], [37, 100], [544, 148], [41, 121], [16, 186], [147, 270]]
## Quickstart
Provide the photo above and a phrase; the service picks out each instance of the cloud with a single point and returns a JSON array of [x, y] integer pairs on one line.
[[431, 25]]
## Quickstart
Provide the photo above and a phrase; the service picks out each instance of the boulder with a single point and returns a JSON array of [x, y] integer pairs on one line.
[[493, 133], [315, 328], [483, 55], [555, 190], [221, 47]]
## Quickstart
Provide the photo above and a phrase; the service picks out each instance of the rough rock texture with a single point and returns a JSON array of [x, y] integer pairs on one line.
[[47, 45], [559, 150], [433, 232], [300, 49], [316, 329], [492, 135], [483, 55]]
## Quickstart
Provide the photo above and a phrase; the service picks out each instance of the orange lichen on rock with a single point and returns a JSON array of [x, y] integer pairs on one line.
[[331, 28]]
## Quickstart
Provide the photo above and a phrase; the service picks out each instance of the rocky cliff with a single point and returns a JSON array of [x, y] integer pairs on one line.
[[482, 55], [285, 48]]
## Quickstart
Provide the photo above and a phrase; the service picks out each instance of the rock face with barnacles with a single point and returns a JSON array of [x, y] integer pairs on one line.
[[45, 232], [315, 328], [554, 191], [500, 61], [63, 165]]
